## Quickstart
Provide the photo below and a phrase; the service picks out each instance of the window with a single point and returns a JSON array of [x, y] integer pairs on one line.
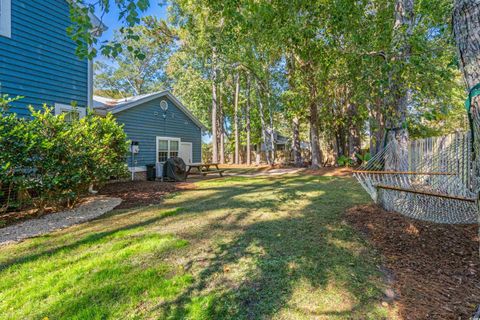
[[72, 113], [174, 148], [167, 148], [6, 18], [162, 150]]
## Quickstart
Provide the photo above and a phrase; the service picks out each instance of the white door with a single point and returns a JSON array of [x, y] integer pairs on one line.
[[186, 152]]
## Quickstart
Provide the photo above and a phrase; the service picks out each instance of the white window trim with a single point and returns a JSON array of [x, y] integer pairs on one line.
[[169, 139], [59, 108], [6, 18]]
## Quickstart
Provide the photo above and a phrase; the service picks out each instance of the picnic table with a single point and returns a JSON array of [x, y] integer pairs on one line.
[[204, 169]]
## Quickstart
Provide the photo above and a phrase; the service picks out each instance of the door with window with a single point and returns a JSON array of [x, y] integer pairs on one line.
[[167, 148]]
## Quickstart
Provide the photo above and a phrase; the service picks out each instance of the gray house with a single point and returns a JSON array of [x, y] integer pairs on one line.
[[158, 125]]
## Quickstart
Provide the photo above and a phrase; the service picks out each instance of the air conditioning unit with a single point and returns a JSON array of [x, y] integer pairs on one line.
[[159, 170]]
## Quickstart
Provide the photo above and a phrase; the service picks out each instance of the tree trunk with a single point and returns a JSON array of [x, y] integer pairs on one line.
[[221, 124], [272, 132], [214, 109], [466, 27], [235, 121], [354, 142], [248, 124], [297, 152], [402, 31], [314, 138], [264, 130], [354, 138]]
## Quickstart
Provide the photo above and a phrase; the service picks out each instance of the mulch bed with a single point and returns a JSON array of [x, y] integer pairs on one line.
[[143, 193], [436, 268]]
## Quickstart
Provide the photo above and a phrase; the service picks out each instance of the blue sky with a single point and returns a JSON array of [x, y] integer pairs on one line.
[[111, 19]]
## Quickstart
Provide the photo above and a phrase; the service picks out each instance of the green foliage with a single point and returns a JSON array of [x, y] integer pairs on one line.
[[206, 152], [344, 58], [363, 158], [6, 100], [51, 162], [82, 26], [140, 66], [344, 161]]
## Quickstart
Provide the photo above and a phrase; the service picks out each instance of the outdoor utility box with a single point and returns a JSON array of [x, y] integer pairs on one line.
[[134, 147], [151, 172]]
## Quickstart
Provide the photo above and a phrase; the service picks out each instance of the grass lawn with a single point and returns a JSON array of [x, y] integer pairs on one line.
[[233, 248]]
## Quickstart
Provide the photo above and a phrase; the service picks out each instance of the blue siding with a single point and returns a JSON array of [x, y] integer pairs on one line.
[[39, 61], [142, 125]]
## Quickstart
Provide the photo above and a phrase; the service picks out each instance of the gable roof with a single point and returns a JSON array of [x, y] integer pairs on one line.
[[98, 26], [104, 105]]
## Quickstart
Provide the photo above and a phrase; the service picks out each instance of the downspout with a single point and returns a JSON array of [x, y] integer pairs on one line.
[[90, 84]]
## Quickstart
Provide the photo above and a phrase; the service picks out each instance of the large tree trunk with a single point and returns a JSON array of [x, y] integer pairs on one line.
[[214, 108], [248, 125], [466, 26], [297, 152], [402, 31], [235, 121]]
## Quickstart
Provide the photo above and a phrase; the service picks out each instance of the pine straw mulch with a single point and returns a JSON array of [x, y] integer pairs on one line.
[[142, 193], [436, 268]]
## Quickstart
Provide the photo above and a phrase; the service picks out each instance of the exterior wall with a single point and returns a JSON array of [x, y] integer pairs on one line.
[[39, 61], [145, 122]]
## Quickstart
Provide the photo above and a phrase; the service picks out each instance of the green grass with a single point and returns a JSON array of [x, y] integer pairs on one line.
[[234, 248]]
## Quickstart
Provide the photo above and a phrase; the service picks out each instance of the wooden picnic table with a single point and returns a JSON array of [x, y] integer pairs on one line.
[[204, 169]]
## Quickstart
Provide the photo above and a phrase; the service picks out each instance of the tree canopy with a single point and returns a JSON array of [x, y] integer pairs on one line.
[[333, 76]]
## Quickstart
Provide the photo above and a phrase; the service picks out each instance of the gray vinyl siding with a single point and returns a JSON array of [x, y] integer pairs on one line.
[[39, 61], [145, 122]]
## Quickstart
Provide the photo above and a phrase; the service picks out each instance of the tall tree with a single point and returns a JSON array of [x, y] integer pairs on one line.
[[221, 125], [236, 118], [214, 108], [248, 123], [401, 51], [140, 66]]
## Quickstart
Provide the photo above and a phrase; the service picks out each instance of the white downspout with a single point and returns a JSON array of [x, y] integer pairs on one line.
[[90, 84]]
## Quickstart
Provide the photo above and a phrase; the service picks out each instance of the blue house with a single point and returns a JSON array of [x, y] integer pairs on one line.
[[159, 124], [38, 62], [37, 57]]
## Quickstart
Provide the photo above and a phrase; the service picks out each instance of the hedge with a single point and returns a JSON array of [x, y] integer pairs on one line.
[[46, 161]]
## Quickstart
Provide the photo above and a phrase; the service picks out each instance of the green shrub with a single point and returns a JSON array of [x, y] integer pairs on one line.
[[48, 161], [344, 161], [362, 159]]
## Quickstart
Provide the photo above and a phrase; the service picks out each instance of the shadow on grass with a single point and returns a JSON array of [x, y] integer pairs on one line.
[[90, 239], [298, 257], [310, 248]]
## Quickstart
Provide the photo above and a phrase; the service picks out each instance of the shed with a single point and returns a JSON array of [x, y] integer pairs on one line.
[[161, 125]]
